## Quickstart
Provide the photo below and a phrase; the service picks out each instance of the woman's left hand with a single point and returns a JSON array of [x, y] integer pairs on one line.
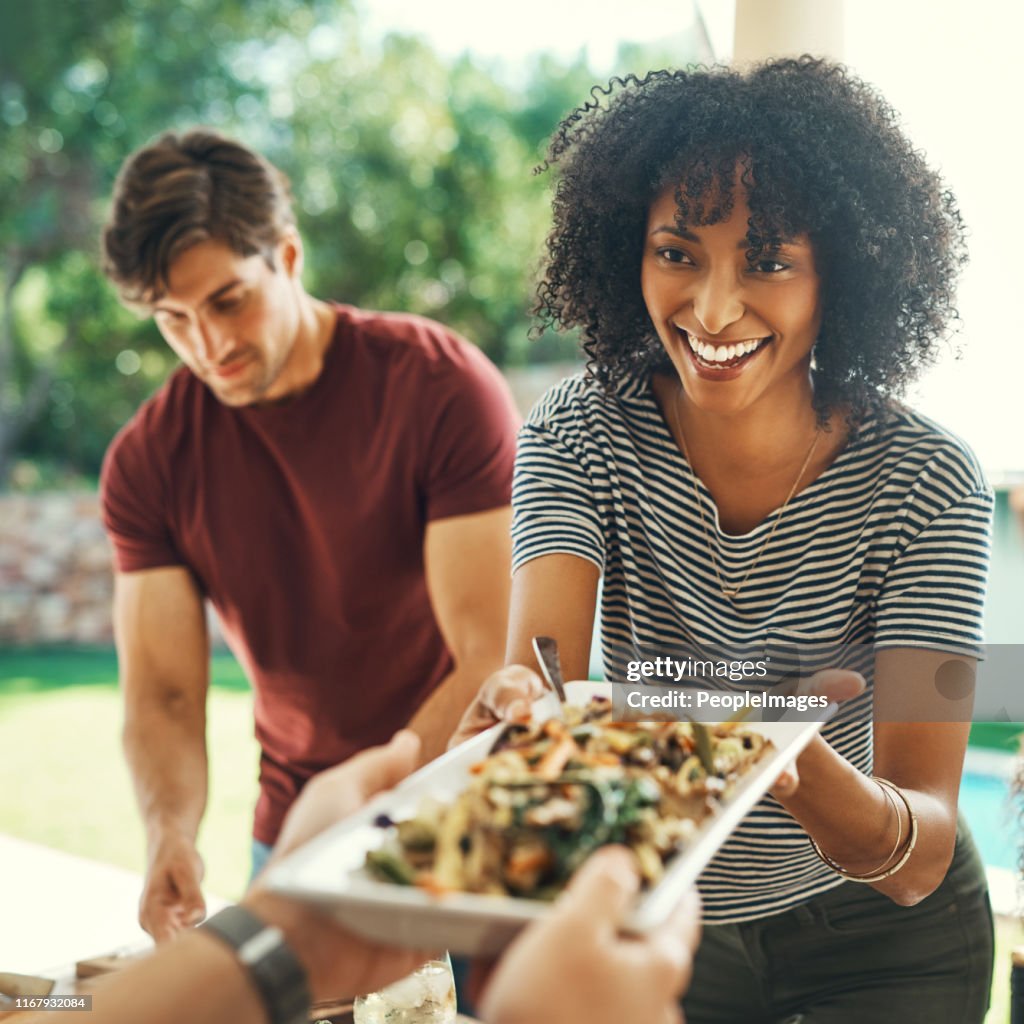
[[837, 685]]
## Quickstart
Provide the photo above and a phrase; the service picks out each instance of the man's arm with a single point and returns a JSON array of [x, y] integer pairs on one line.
[[467, 562], [163, 658]]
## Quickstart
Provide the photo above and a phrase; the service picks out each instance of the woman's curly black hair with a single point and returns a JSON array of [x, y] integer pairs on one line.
[[821, 153]]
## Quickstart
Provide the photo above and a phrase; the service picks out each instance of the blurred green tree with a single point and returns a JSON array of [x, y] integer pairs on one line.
[[81, 84], [412, 176], [415, 180]]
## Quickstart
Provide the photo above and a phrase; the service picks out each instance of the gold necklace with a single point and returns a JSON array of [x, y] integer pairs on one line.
[[732, 592]]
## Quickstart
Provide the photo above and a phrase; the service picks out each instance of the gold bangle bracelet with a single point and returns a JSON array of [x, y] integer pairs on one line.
[[899, 825], [879, 874], [855, 876]]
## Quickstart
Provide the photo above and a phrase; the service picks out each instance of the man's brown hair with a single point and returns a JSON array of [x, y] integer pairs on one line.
[[185, 189]]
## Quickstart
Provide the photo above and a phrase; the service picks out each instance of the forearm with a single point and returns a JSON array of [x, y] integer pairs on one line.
[[163, 662], [199, 979], [196, 978], [853, 822], [165, 747], [438, 717], [466, 560]]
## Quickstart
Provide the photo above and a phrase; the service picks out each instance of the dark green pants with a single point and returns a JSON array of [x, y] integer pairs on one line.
[[853, 956]]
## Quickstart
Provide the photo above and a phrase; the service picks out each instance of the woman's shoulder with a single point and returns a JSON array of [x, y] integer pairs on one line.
[[913, 445], [582, 403]]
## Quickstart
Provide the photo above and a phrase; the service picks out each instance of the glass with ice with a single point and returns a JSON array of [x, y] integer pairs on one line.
[[427, 996]]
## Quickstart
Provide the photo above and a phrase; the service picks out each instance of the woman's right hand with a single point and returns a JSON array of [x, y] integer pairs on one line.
[[576, 967], [504, 696], [837, 685]]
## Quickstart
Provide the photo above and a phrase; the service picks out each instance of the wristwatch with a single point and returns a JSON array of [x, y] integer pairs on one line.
[[275, 970]]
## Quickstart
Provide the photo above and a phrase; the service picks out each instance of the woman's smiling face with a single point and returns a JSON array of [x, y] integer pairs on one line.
[[738, 332]]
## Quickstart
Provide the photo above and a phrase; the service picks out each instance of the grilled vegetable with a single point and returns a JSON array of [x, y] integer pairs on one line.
[[548, 795]]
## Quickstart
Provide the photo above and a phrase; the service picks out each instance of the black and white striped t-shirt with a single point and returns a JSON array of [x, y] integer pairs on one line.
[[888, 548]]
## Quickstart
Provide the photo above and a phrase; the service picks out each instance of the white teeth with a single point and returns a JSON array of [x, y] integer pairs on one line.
[[721, 353]]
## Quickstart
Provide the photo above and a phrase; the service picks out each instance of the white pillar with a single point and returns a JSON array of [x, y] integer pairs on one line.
[[787, 28]]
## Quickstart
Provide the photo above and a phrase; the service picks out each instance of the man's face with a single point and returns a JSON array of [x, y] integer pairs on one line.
[[233, 320]]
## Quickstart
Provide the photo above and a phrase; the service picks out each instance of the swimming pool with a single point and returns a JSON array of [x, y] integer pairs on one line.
[[987, 806]]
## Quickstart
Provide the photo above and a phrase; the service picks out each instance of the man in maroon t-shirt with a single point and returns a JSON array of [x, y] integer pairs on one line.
[[335, 482]]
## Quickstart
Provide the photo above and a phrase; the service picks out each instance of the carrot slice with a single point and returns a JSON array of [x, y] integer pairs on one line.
[[550, 766]]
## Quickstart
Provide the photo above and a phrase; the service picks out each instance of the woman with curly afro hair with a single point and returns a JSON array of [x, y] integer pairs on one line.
[[758, 263]]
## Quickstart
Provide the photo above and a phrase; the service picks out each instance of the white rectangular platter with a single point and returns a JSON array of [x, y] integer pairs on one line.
[[329, 870]]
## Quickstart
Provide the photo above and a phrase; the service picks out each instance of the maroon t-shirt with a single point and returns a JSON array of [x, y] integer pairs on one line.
[[304, 521]]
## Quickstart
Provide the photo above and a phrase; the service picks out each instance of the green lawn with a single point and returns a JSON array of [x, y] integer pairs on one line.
[[60, 722]]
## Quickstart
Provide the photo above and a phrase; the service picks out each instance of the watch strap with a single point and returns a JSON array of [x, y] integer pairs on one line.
[[264, 952]]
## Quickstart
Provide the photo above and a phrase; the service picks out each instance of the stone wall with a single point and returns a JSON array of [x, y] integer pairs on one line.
[[55, 570]]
